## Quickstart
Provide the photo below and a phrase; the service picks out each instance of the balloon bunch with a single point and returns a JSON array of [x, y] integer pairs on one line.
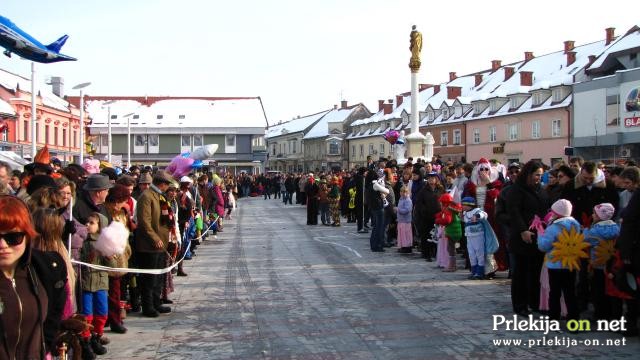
[[391, 136], [182, 164]]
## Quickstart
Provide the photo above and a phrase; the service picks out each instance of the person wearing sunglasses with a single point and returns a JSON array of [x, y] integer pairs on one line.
[[32, 288]]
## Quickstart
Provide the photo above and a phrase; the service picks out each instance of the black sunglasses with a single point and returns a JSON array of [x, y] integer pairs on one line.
[[13, 238]]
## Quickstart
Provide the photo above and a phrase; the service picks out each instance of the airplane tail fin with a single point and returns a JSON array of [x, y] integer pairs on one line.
[[57, 45]]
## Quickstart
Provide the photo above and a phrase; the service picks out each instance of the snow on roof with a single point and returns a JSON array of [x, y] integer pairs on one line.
[[631, 40], [170, 113], [295, 125], [6, 108], [321, 128], [12, 81]]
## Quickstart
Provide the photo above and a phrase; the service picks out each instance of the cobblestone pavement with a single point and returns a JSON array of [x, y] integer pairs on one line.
[[271, 287]]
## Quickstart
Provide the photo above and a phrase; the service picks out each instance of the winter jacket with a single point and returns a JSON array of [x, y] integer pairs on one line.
[[523, 203], [584, 199], [153, 221], [601, 235], [550, 236], [404, 210], [629, 242], [92, 279], [425, 208]]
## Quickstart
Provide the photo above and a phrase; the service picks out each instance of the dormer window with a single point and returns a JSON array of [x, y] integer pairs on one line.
[[181, 117], [431, 114], [445, 113], [405, 120], [135, 117], [114, 117], [159, 117], [557, 94], [494, 104]]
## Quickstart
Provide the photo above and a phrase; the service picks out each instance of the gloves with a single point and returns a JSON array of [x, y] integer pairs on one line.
[[69, 227]]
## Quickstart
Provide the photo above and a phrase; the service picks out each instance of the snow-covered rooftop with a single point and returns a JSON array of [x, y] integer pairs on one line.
[[6, 108], [630, 40], [12, 81], [321, 128], [295, 125], [183, 113]]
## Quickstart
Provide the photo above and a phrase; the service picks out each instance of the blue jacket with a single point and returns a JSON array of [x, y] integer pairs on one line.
[[404, 210], [481, 225], [545, 242], [599, 232]]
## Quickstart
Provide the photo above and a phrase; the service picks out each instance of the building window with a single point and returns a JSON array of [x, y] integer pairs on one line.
[[38, 133], [181, 117], [557, 95], [457, 137], [75, 139], [46, 134], [273, 149], [476, 136], [185, 141], [197, 140], [159, 117], [444, 138], [555, 128], [139, 144], [382, 149], [114, 117], [361, 150], [230, 140], [535, 129], [353, 151], [154, 143], [139, 140], [445, 113], [26, 130], [55, 135], [513, 132], [64, 137], [538, 98], [136, 117], [334, 147], [493, 137], [370, 149]]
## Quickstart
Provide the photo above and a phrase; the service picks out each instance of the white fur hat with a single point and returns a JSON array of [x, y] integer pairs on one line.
[[186, 179], [562, 207], [604, 211]]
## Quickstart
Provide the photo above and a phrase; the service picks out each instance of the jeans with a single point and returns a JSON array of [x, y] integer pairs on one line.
[[325, 216], [377, 232], [285, 196]]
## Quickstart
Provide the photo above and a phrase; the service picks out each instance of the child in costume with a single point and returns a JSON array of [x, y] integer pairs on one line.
[[602, 236], [564, 243], [351, 207], [449, 220], [482, 242], [405, 231], [95, 285]]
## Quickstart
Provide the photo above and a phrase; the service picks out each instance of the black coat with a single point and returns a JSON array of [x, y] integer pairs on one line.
[[85, 207], [583, 199], [523, 203], [44, 270], [425, 209], [629, 241]]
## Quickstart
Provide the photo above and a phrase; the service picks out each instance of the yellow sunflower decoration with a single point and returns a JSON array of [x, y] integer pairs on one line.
[[604, 251], [569, 248]]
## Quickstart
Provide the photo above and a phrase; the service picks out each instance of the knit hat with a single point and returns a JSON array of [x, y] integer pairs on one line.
[[145, 178], [469, 201], [562, 208], [604, 211], [40, 181]]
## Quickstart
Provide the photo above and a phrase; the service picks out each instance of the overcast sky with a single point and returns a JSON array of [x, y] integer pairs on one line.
[[300, 56]]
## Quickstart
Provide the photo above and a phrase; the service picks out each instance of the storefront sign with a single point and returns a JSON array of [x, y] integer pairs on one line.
[[632, 121]]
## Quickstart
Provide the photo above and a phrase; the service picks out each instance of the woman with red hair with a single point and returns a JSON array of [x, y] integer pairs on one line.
[[32, 288]]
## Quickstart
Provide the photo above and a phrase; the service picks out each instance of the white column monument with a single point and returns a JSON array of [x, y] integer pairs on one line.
[[415, 139]]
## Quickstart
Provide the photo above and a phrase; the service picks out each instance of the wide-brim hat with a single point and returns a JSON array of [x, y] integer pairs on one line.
[[97, 182], [145, 178], [162, 176]]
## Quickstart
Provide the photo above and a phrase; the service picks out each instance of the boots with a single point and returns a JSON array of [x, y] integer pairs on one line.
[[452, 265], [474, 272], [480, 272], [96, 346], [87, 352]]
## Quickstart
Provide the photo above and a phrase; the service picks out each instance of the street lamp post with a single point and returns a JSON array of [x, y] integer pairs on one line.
[[108, 104], [80, 87], [33, 111], [128, 116]]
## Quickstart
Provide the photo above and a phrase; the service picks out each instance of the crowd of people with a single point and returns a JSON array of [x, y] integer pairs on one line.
[[565, 235], [80, 247]]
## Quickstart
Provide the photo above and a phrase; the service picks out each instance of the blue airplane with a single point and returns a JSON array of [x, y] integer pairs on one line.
[[15, 40]]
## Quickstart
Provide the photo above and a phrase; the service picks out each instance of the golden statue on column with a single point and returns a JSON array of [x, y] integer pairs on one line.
[[415, 41]]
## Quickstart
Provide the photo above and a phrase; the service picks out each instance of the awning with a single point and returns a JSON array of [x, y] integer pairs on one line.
[[14, 160]]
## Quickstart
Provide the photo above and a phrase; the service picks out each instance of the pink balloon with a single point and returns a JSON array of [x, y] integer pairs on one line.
[[179, 166]]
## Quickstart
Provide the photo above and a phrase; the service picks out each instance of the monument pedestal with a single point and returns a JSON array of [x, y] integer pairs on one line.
[[414, 145]]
